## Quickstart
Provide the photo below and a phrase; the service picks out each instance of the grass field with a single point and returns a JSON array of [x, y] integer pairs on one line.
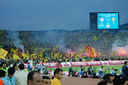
[[77, 69]]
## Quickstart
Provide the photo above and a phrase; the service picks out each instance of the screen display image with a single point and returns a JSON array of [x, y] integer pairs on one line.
[[108, 20]]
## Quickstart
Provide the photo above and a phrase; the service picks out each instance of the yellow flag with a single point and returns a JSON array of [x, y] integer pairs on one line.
[[16, 57], [57, 55], [12, 50], [3, 53], [1, 57], [114, 53], [95, 38], [45, 60], [33, 55], [25, 55]]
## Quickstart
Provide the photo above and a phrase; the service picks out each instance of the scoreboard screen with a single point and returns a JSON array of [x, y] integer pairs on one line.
[[108, 20]]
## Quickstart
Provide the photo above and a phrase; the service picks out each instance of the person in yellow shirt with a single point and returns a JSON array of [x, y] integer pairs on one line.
[[58, 73]]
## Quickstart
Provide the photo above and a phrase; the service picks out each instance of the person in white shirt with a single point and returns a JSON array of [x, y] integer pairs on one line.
[[21, 75]]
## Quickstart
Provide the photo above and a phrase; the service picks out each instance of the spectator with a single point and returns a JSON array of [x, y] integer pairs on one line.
[[34, 78], [1, 82], [0, 65], [81, 71], [21, 75], [38, 67], [15, 66], [71, 72], [57, 77], [90, 71], [124, 81], [105, 82], [125, 69], [108, 77], [29, 67], [42, 69], [46, 80], [113, 72], [101, 72], [4, 66], [10, 79], [2, 75]]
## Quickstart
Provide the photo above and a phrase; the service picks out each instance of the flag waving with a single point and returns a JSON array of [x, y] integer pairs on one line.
[[3, 53], [90, 51]]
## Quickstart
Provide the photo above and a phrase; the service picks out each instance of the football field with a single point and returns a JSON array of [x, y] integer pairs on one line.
[[106, 67]]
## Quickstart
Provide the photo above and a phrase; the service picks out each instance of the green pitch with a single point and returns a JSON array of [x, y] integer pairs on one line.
[[106, 67]]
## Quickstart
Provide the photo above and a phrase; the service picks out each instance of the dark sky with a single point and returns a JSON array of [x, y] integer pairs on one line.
[[56, 14]]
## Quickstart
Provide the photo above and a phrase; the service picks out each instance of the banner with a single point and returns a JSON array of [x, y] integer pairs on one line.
[[94, 63], [66, 64], [78, 64], [104, 62], [51, 65], [116, 62]]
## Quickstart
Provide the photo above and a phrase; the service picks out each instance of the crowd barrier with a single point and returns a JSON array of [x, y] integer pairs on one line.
[[87, 63]]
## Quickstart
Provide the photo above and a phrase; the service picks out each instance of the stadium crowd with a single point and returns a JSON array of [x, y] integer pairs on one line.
[[16, 73]]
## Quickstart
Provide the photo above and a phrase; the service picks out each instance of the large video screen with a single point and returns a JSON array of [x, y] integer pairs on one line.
[[108, 20]]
